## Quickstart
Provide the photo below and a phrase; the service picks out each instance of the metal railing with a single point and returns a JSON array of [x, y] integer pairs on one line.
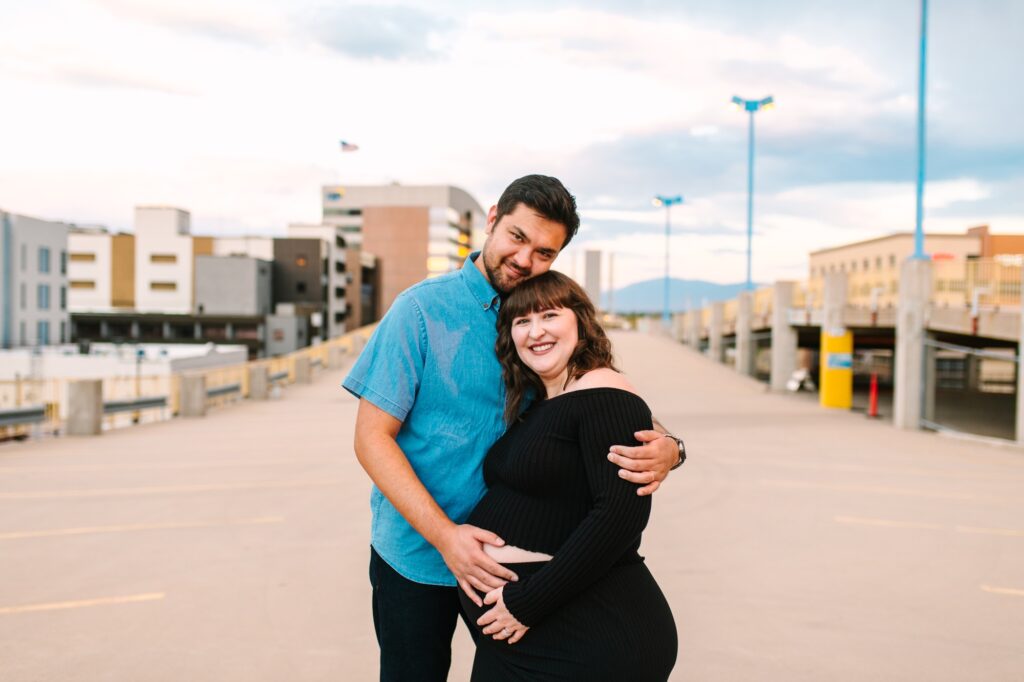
[[27, 402]]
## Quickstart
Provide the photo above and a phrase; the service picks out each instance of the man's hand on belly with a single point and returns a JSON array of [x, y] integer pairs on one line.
[[463, 550]]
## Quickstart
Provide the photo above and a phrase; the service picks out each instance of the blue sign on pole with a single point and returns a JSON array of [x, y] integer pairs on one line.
[[840, 360]]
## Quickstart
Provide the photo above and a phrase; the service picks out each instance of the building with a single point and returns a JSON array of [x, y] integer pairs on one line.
[[33, 286], [233, 285], [873, 266], [415, 231], [165, 253], [101, 270], [334, 249], [592, 277]]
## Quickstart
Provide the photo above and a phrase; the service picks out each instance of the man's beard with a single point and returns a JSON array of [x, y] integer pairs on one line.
[[500, 279]]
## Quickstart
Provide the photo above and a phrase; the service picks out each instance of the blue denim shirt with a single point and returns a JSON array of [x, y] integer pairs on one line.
[[431, 364]]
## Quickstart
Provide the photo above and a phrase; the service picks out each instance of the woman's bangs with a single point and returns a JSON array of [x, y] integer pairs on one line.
[[536, 295]]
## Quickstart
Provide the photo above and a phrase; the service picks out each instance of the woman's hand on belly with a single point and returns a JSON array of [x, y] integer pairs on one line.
[[499, 622], [510, 554]]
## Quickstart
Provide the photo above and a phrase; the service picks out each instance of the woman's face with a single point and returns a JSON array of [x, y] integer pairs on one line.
[[545, 340]]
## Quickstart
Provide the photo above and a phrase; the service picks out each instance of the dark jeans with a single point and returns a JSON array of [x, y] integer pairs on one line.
[[414, 625]]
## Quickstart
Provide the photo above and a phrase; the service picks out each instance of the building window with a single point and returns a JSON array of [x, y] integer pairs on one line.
[[43, 297], [853, 266], [300, 261], [867, 265], [21, 332], [878, 262], [300, 287], [22, 296], [43, 333], [339, 318], [63, 262], [44, 260], [82, 284], [163, 286], [83, 257], [163, 258], [24, 257], [63, 302], [892, 260], [63, 331], [339, 292]]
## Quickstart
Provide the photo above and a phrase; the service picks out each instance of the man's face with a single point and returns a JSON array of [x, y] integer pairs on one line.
[[521, 245]]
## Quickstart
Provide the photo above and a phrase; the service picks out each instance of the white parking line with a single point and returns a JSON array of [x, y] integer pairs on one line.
[[166, 490], [140, 466], [890, 523], [84, 603], [854, 520], [1003, 590], [879, 490], [89, 530]]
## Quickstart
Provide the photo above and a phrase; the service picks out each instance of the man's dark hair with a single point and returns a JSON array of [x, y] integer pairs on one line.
[[545, 195]]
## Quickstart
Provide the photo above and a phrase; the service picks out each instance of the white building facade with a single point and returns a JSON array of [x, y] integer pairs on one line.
[[164, 260], [90, 264], [33, 285]]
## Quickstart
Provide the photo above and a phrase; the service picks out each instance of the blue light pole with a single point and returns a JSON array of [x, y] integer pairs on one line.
[[919, 253], [668, 203], [751, 106]]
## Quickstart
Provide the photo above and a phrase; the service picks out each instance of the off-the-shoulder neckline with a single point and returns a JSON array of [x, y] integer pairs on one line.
[[590, 390]]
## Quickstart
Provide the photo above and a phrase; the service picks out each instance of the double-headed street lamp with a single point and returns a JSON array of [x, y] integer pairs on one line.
[[668, 203], [751, 106]]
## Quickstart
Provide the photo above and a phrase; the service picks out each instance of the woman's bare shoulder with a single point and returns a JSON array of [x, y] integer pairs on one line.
[[604, 377]]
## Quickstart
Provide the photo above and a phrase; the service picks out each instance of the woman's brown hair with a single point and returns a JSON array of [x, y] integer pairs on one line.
[[547, 292]]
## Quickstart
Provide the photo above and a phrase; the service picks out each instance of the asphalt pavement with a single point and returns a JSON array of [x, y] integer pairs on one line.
[[796, 544]]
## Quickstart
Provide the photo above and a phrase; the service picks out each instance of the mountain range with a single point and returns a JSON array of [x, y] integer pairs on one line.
[[684, 294]]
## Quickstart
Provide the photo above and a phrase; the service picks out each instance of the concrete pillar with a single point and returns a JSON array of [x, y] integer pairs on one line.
[[229, 331], [693, 327], [303, 370], [104, 330], [1020, 380], [197, 331], [165, 331], [784, 336], [135, 329], [972, 374], [192, 396], [715, 347], [833, 302], [259, 382], [744, 339], [910, 375], [336, 357], [85, 408], [679, 327]]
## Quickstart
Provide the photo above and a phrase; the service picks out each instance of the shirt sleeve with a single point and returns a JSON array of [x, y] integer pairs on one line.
[[390, 367], [615, 520]]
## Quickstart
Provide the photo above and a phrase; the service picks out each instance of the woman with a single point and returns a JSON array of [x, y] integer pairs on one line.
[[585, 606]]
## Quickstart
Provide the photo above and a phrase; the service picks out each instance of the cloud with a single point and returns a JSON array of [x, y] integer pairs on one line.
[[388, 32], [226, 20]]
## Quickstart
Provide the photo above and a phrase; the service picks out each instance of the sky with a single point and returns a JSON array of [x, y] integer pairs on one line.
[[233, 111]]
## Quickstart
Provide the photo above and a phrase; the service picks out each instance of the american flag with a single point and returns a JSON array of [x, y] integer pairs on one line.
[[349, 147]]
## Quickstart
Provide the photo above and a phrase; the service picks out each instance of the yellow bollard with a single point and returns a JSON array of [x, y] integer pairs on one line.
[[836, 373]]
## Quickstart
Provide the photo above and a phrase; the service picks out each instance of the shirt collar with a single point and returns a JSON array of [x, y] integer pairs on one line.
[[481, 289]]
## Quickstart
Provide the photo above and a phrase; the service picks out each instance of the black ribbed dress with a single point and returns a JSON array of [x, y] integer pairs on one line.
[[595, 612]]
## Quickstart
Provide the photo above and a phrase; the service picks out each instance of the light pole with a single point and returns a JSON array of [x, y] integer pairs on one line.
[[919, 253], [668, 203], [751, 106]]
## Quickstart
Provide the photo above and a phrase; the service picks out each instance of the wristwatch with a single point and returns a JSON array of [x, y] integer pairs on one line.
[[682, 451]]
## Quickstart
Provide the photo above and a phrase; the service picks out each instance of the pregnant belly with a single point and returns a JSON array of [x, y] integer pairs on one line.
[[510, 554]]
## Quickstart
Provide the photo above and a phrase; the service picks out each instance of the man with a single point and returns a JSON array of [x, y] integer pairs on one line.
[[431, 403]]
